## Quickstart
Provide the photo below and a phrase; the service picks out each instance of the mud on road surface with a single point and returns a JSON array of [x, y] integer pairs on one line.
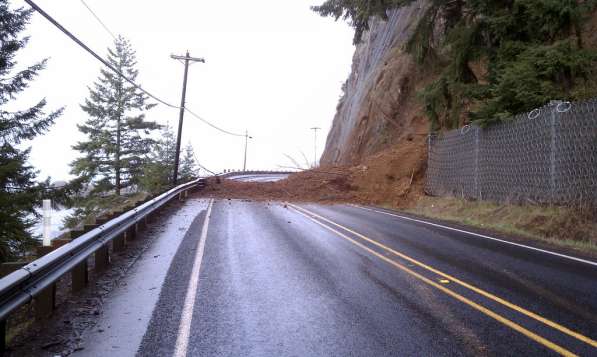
[[393, 177]]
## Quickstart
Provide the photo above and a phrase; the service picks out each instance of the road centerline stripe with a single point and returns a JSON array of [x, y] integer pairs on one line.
[[537, 338], [184, 328], [471, 287]]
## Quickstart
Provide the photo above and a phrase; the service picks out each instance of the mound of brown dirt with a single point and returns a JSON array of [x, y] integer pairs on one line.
[[392, 177]]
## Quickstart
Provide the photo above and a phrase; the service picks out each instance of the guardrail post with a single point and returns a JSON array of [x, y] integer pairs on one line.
[[131, 233], [80, 276], [3, 331], [146, 220], [45, 302], [102, 258], [118, 243]]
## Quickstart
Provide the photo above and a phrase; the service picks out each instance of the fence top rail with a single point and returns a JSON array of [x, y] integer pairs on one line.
[[553, 107]]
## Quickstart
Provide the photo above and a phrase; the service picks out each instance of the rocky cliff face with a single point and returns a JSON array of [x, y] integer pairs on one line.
[[379, 107]]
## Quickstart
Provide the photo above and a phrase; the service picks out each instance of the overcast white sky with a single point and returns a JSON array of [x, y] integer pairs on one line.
[[273, 67]]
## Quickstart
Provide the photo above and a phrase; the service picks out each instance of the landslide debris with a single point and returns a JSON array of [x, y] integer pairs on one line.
[[391, 177]]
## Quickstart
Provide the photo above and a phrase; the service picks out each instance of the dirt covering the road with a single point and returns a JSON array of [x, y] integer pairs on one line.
[[393, 177]]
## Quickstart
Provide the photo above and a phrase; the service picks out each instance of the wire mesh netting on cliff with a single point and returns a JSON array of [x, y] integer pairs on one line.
[[548, 155]]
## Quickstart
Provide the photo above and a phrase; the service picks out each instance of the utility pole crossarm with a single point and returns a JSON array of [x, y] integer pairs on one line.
[[187, 57]]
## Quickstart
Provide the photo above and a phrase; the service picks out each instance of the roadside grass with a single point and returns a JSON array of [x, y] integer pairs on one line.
[[571, 228]]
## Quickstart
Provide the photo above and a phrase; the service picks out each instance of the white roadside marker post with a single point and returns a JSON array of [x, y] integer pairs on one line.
[[47, 217]]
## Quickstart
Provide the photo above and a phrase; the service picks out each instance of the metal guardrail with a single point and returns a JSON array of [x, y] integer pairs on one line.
[[27, 283]]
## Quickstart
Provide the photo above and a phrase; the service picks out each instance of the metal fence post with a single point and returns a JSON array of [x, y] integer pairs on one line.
[[477, 191], [552, 156], [427, 184]]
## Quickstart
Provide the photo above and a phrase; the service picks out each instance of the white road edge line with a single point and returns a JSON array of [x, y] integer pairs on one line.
[[481, 236], [184, 329]]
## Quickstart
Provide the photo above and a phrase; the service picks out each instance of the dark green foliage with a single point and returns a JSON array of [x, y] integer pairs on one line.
[[535, 76], [87, 209], [158, 171], [358, 12], [19, 193], [498, 58], [529, 50], [156, 177], [188, 165], [118, 135]]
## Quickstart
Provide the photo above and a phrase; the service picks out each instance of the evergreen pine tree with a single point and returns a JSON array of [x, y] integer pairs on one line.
[[157, 172], [118, 134], [358, 12], [166, 149], [19, 193], [188, 165]]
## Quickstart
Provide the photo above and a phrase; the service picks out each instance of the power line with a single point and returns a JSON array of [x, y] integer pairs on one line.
[[201, 166], [99, 20], [107, 64], [212, 125], [91, 52]]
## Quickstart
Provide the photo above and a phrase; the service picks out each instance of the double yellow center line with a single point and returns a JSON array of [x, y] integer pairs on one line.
[[318, 219]]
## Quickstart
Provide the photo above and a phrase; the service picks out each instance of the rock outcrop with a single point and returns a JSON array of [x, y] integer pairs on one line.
[[379, 106]]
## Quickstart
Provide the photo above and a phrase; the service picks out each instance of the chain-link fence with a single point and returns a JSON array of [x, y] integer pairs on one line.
[[548, 155]]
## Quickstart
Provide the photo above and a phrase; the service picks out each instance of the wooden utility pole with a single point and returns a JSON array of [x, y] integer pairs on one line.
[[187, 59], [247, 137], [315, 150]]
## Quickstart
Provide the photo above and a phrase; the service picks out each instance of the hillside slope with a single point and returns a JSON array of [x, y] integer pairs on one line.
[[379, 108]]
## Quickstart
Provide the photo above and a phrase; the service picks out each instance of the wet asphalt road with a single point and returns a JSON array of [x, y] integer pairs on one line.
[[311, 280]]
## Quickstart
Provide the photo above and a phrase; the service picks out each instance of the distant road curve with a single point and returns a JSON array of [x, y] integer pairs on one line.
[[258, 177]]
